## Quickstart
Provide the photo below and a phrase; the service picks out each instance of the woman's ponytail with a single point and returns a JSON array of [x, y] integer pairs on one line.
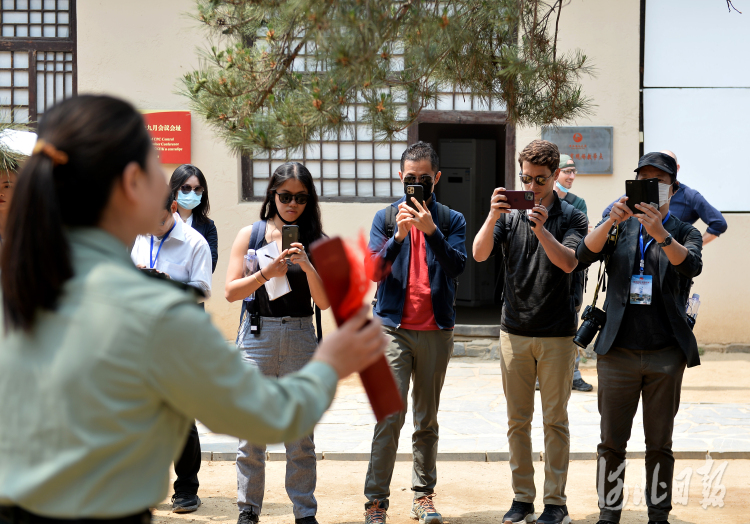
[[36, 256], [84, 144]]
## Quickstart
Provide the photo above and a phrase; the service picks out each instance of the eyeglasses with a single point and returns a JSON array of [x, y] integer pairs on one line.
[[541, 180], [285, 198], [570, 171], [423, 179], [187, 188]]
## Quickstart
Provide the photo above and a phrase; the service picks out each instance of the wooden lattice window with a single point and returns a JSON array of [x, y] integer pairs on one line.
[[37, 57]]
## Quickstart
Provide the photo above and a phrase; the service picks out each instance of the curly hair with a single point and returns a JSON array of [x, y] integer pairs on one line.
[[540, 153]]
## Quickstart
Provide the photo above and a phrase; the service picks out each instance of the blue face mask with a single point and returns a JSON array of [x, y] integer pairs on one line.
[[561, 187], [189, 201]]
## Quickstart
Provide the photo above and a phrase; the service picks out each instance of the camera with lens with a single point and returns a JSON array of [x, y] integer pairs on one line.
[[593, 320], [528, 195]]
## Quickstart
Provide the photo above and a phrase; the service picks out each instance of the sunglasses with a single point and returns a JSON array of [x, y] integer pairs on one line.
[[541, 180], [423, 179], [285, 198], [187, 188]]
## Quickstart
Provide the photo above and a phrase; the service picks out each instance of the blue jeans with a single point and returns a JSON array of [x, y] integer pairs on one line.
[[285, 345]]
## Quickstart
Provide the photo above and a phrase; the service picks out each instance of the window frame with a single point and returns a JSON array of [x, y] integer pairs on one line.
[[35, 45]]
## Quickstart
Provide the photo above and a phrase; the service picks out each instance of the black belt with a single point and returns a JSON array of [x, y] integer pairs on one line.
[[16, 515]]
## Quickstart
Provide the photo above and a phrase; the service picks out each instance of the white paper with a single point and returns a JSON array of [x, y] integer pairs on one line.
[[277, 286]]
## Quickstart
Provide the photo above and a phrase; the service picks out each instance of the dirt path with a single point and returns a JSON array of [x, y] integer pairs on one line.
[[468, 493]]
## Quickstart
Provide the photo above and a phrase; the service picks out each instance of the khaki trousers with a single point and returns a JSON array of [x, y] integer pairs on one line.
[[551, 359]]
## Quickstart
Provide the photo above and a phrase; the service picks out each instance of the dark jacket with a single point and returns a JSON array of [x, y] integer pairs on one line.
[[446, 259], [689, 205], [674, 281], [208, 230]]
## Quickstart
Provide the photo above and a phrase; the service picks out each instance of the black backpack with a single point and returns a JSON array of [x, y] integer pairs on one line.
[[578, 278]]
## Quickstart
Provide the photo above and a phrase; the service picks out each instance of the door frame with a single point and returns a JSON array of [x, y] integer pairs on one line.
[[472, 117]]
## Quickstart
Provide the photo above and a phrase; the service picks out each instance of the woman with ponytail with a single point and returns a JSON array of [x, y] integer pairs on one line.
[[104, 369]]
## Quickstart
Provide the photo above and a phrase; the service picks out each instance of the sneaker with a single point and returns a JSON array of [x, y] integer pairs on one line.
[[306, 520], [581, 385], [424, 510], [519, 513], [248, 516], [554, 514], [184, 502], [375, 514], [536, 386]]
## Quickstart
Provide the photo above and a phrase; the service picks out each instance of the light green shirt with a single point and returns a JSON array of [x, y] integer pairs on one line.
[[96, 402]]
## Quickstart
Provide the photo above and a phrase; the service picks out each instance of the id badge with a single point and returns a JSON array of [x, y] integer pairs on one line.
[[640, 289]]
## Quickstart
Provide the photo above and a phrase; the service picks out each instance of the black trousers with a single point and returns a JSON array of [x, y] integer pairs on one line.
[[189, 464], [624, 376]]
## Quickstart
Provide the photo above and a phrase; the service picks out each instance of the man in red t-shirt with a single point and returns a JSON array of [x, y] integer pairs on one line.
[[415, 302]]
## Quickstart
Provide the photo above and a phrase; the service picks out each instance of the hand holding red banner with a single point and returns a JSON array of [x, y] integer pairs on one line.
[[346, 280]]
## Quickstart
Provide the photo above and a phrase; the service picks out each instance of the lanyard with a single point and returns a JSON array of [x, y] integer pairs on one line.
[[151, 257], [640, 237]]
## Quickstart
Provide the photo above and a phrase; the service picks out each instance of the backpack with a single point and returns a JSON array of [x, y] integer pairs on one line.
[[578, 278], [444, 223], [256, 239]]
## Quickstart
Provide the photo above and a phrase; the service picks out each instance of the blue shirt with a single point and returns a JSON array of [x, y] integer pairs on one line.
[[689, 205], [446, 260]]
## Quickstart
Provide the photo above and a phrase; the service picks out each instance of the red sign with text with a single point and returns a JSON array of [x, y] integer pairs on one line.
[[170, 133]]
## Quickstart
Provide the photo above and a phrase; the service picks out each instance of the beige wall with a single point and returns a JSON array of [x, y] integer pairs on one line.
[[139, 50]]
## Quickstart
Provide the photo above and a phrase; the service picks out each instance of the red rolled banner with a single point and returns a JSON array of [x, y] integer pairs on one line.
[[345, 282]]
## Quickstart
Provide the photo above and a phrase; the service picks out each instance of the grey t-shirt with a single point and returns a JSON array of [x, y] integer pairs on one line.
[[537, 295]]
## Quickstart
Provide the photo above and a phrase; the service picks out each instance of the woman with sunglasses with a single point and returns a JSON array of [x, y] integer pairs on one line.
[[190, 191], [286, 340], [102, 368]]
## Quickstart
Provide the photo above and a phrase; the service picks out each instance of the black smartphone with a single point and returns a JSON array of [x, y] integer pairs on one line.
[[154, 273], [289, 235], [416, 191], [646, 191]]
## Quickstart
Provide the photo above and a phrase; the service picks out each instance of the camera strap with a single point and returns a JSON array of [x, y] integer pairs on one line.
[[612, 237]]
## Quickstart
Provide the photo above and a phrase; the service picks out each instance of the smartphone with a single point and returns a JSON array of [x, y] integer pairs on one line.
[[638, 191], [416, 191], [154, 273], [289, 235], [520, 199]]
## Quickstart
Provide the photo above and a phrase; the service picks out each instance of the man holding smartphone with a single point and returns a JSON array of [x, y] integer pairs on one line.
[[423, 242], [646, 342], [537, 325], [178, 252]]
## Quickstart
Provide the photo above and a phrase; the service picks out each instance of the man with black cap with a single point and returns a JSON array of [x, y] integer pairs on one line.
[[646, 342]]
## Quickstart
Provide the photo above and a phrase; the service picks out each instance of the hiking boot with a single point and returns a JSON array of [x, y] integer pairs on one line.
[[554, 514], [424, 510], [519, 513], [375, 514], [184, 502], [247, 516], [306, 520], [581, 385]]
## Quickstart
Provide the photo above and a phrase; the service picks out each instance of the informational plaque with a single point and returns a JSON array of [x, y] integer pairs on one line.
[[590, 147], [170, 133]]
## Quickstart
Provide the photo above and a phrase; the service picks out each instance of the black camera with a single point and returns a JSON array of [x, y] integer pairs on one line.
[[593, 320]]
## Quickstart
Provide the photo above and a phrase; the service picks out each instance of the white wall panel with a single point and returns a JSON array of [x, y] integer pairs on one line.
[[696, 43], [708, 129]]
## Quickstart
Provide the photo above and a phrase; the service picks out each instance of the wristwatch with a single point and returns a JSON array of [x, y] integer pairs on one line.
[[667, 240]]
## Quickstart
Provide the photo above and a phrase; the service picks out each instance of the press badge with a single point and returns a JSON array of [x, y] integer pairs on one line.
[[640, 289]]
